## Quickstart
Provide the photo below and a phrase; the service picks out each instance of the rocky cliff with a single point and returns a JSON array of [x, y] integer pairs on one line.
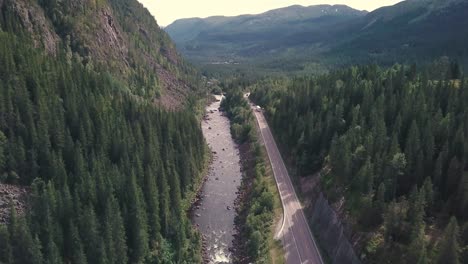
[[120, 36], [326, 221], [329, 230]]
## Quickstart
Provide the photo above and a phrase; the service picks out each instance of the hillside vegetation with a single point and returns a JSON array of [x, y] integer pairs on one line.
[[259, 203], [109, 175], [120, 36], [316, 39], [391, 148]]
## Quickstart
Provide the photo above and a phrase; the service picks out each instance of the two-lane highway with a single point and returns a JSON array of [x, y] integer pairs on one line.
[[298, 242]]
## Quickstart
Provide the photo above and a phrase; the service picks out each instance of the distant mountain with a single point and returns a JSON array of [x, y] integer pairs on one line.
[[411, 30], [235, 38], [296, 37], [189, 29]]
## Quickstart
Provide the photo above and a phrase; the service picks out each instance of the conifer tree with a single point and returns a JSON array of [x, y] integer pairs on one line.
[[449, 246], [5, 250], [137, 223]]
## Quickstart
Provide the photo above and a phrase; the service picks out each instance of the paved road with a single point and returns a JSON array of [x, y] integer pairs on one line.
[[298, 242]]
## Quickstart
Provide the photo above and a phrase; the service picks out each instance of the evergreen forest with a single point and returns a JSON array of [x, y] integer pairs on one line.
[[389, 143], [109, 174]]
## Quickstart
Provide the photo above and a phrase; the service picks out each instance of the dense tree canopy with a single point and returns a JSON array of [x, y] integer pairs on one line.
[[392, 142], [109, 172], [256, 211]]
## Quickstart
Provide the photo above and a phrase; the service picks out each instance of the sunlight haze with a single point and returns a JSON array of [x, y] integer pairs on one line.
[[167, 11]]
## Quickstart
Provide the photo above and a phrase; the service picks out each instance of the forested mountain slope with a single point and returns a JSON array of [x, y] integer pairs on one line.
[[316, 38], [391, 149], [413, 30], [234, 39], [120, 35], [248, 28], [109, 174]]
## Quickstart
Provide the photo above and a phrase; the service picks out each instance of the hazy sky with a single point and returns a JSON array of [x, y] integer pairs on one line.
[[166, 11]]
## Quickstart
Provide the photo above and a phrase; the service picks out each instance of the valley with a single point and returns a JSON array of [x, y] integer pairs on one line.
[[319, 38], [304, 134]]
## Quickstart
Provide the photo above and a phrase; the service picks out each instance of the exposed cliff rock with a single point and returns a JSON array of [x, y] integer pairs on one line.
[[327, 224], [175, 93], [11, 195], [34, 20], [330, 232], [120, 36], [109, 35]]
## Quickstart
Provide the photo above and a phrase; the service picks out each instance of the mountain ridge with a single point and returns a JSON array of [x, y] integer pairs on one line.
[[410, 31]]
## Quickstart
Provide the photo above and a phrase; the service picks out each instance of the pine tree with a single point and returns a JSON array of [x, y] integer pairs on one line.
[[398, 165], [164, 203], [438, 172], [52, 256], [412, 153], [114, 237], [381, 198], [365, 178], [89, 230], [393, 221], [462, 197], [340, 158], [25, 249], [416, 212], [137, 223], [3, 142], [429, 194], [417, 248], [449, 245], [6, 250], [454, 174], [152, 201], [77, 254]]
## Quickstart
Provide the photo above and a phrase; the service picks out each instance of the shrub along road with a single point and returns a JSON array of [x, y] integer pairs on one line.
[[298, 241]]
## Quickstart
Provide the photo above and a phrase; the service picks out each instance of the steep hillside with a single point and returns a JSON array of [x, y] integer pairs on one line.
[[120, 36], [305, 39], [411, 30], [91, 170]]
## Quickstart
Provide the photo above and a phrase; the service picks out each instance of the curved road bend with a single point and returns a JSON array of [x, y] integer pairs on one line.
[[298, 242]]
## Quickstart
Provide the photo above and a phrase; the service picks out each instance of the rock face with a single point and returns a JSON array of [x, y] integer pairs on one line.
[[120, 35], [11, 195], [35, 22], [329, 231]]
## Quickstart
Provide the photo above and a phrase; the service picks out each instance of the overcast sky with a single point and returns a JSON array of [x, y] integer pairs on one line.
[[166, 11]]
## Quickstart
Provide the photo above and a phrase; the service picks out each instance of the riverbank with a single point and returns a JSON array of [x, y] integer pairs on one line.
[[240, 244], [258, 205], [193, 198]]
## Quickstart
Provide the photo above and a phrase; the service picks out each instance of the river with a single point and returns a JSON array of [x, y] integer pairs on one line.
[[215, 213]]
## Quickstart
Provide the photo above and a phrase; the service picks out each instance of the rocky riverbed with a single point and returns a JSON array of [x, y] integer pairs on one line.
[[214, 212]]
